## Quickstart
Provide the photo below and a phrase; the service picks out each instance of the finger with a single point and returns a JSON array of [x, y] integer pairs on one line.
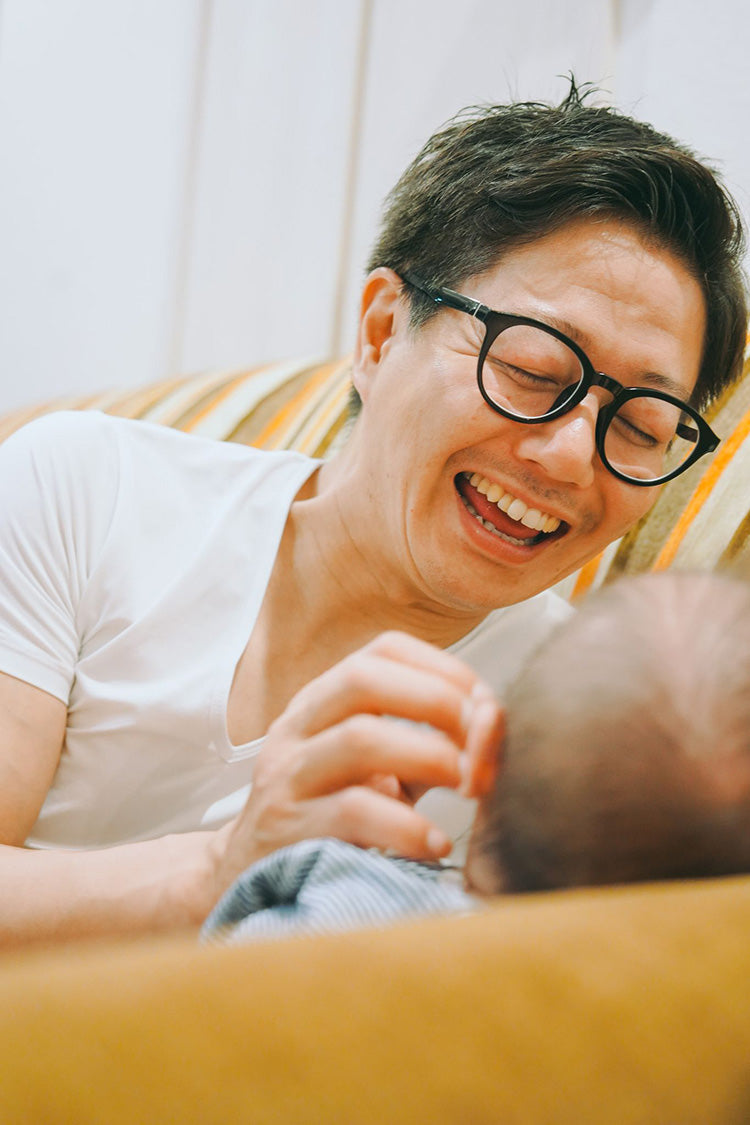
[[369, 819], [483, 747], [387, 784], [355, 749], [413, 791], [369, 683], [408, 650]]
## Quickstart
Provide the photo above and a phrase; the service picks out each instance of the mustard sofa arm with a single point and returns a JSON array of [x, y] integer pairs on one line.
[[616, 1006]]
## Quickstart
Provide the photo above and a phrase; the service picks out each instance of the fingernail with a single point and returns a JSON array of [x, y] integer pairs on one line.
[[482, 691], [438, 843]]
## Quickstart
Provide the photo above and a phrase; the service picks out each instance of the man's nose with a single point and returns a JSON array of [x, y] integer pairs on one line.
[[565, 449]]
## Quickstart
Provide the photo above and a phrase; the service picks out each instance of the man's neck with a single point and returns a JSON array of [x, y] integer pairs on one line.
[[336, 587]]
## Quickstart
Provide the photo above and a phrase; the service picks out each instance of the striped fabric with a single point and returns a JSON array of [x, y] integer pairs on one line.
[[318, 886], [700, 520], [297, 404]]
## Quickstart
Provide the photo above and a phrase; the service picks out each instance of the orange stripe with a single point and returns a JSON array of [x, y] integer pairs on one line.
[[293, 407], [706, 485], [224, 393], [331, 413], [586, 576], [133, 404]]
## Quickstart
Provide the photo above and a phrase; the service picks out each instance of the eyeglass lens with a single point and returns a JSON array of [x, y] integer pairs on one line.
[[529, 373]]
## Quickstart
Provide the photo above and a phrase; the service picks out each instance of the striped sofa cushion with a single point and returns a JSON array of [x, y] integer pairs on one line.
[[298, 404], [701, 519]]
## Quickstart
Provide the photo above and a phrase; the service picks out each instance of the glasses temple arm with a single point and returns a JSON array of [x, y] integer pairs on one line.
[[443, 296]]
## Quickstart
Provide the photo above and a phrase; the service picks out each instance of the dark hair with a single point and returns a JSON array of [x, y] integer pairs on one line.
[[498, 177]]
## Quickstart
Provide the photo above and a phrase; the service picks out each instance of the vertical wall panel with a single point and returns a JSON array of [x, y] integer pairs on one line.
[[269, 201], [429, 58], [94, 118], [683, 65]]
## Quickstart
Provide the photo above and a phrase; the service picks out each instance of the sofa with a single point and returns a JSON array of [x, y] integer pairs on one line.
[[623, 1005]]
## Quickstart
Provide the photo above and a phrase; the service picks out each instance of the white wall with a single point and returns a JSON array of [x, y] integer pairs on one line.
[[195, 183], [273, 145], [96, 106], [683, 64]]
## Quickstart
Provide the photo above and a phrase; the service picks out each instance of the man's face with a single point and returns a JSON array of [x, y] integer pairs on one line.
[[425, 431]]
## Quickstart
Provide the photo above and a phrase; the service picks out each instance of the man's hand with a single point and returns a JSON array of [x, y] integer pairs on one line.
[[338, 763]]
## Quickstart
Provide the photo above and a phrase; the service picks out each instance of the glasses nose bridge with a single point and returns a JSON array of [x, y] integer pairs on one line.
[[593, 379], [599, 379]]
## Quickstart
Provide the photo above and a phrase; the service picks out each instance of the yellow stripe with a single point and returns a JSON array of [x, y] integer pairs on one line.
[[310, 427], [218, 397], [268, 437], [171, 409], [320, 430], [133, 403], [706, 485]]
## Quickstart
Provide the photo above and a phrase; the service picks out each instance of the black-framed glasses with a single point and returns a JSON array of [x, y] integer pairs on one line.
[[530, 372]]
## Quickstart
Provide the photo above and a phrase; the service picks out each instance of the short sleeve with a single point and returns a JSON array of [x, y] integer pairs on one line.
[[58, 488]]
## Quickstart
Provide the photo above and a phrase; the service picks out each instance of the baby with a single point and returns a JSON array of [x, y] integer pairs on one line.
[[625, 757]]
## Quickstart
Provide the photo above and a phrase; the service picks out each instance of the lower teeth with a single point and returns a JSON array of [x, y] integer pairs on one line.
[[501, 534]]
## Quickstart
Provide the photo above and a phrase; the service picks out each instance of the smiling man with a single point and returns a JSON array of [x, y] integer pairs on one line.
[[204, 649]]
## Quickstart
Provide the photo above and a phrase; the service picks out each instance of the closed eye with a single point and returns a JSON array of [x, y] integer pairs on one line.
[[633, 434], [522, 376]]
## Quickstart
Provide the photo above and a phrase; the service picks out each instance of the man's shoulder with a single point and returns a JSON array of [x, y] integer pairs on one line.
[[61, 427], [92, 448]]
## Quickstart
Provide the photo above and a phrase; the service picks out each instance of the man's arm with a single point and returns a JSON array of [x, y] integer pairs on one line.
[[57, 895]]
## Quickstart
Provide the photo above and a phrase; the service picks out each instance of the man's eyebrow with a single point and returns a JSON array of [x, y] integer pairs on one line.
[[572, 330], [649, 378], [664, 383]]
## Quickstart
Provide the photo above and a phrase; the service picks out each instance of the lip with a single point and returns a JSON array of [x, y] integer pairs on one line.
[[503, 548]]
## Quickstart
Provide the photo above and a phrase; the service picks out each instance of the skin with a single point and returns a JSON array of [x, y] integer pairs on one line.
[[379, 539]]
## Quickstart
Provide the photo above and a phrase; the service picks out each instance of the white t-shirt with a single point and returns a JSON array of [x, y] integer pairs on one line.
[[134, 561]]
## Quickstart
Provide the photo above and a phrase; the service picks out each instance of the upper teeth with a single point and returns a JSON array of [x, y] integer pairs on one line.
[[515, 508]]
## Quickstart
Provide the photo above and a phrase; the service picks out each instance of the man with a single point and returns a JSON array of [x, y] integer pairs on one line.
[[182, 619]]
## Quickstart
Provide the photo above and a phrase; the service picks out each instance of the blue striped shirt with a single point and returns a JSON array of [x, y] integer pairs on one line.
[[317, 886]]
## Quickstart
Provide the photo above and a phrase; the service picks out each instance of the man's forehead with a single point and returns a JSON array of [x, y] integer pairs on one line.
[[618, 266]]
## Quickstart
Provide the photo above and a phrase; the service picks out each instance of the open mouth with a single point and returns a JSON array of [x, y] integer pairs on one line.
[[505, 515]]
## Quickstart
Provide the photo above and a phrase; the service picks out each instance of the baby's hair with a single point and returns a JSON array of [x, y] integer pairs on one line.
[[627, 750]]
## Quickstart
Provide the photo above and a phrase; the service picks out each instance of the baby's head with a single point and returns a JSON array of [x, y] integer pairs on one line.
[[626, 753]]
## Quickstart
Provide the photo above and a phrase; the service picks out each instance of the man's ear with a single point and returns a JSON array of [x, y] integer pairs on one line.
[[383, 311]]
